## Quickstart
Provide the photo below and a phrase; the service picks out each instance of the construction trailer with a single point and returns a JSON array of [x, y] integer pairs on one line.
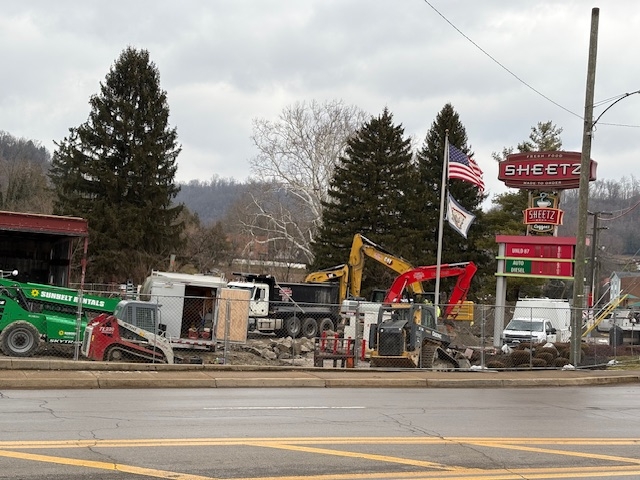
[[198, 311]]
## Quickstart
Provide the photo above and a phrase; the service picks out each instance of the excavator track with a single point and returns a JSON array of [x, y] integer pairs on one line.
[[118, 353], [431, 358]]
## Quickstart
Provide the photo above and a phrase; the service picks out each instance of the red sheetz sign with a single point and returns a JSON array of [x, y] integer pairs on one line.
[[526, 256], [531, 250], [550, 216], [543, 169]]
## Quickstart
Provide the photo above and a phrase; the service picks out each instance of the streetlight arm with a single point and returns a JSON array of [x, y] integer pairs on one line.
[[606, 109]]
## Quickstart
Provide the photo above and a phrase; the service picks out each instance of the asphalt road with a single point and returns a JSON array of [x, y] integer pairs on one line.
[[204, 434]]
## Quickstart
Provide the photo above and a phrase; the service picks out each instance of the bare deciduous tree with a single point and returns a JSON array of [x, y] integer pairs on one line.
[[23, 175], [207, 247], [24, 187], [296, 159]]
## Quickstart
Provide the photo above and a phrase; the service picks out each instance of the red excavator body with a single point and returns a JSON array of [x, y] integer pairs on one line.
[[464, 271]]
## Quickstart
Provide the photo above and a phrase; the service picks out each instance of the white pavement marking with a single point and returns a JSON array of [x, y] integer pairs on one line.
[[283, 408]]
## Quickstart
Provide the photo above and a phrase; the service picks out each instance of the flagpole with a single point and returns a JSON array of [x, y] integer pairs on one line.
[[443, 189]]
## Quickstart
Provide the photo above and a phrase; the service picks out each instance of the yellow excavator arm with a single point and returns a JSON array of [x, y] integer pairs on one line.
[[362, 247], [341, 272]]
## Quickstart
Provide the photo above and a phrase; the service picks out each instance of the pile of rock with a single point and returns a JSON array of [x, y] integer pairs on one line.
[[275, 351]]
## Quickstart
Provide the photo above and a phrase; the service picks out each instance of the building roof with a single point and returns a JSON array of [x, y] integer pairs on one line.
[[626, 274], [188, 279], [47, 224]]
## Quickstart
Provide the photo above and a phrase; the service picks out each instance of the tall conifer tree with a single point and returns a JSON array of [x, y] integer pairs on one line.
[[430, 158], [368, 195], [117, 170]]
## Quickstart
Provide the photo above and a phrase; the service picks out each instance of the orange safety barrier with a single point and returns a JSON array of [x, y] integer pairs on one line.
[[334, 349]]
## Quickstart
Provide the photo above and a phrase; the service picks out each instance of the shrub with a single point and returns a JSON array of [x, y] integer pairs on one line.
[[495, 364], [519, 357], [547, 357], [538, 362], [553, 351]]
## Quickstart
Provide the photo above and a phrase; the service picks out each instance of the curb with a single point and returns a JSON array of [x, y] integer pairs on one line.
[[532, 382], [31, 380], [17, 373], [47, 380], [375, 383], [269, 382]]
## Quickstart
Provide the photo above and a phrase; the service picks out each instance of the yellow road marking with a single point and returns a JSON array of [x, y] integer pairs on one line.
[[367, 456], [532, 474], [116, 467], [493, 474], [305, 444], [160, 442], [563, 452]]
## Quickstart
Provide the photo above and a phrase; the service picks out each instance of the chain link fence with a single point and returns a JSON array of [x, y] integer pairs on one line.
[[119, 325], [526, 338]]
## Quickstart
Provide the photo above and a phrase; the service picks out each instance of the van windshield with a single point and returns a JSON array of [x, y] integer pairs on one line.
[[525, 324]]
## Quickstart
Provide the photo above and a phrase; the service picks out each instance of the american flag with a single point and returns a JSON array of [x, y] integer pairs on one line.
[[464, 168]]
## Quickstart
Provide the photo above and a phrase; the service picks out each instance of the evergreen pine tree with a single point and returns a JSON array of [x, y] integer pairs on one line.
[[430, 158], [368, 195], [117, 170], [506, 214]]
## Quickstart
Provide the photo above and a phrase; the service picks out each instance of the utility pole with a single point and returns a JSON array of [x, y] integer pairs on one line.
[[592, 269], [583, 195], [595, 256]]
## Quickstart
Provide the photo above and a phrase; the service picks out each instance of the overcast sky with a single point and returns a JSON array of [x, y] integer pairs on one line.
[[224, 63]]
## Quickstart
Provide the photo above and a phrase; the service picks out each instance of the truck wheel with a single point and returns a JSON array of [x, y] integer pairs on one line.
[[309, 328], [293, 326], [326, 324], [19, 339]]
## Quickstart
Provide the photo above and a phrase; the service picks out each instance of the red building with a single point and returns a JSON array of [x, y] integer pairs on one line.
[[40, 246]]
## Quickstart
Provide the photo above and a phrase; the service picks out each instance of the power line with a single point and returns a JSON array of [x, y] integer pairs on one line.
[[624, 212], [500, 64], [602, 102], [608, 100]]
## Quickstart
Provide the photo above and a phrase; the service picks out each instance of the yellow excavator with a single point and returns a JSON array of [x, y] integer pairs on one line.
[[349, 275]]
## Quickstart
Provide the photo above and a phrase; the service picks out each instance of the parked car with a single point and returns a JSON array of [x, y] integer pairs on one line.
[[605, 325]]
